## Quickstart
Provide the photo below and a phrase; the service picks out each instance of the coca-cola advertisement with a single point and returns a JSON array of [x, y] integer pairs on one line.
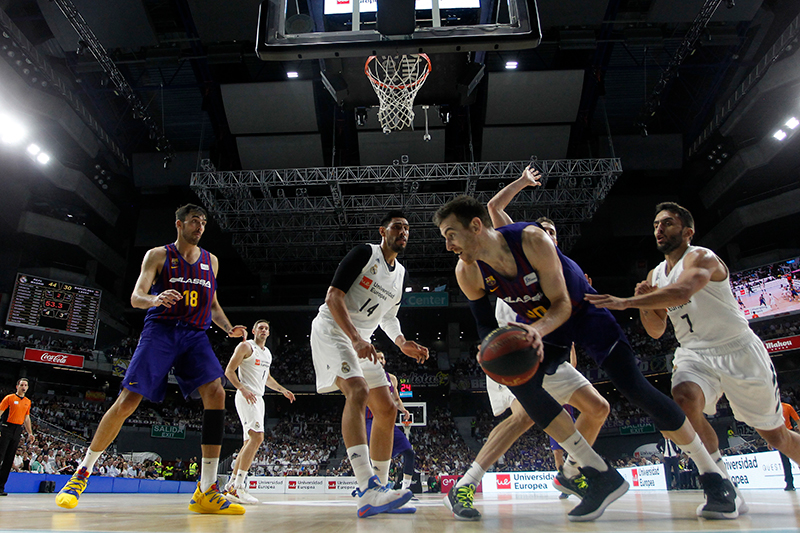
[[50, 357]]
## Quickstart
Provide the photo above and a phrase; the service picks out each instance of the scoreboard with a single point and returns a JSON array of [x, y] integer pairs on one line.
[[49, 305]]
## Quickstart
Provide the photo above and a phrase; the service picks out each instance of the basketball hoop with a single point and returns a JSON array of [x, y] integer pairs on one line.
[[407, 423], [396, 80]]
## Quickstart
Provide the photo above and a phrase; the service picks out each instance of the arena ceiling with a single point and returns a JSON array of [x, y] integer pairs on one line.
[[200, 93]]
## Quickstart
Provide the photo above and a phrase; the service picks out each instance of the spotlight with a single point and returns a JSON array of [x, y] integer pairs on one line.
[[11, 131], [780, 135], [292, 74], [511, 65], [43, 158], [33, 149], [792, 123]]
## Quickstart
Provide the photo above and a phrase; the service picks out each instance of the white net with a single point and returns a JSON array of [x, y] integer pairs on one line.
[[396, 80]]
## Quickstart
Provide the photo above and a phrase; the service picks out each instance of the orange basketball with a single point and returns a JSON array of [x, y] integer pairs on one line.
[[507, 357]]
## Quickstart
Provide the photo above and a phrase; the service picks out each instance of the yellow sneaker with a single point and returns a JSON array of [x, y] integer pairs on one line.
[[213, 502], [68, 496]]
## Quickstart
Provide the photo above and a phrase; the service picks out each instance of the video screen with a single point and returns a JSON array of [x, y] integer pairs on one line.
[[768, 290]]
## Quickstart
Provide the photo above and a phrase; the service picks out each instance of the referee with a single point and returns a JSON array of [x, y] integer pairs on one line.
[[19, 415]]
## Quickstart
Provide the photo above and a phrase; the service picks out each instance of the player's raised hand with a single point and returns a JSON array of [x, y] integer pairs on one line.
[[606, 301], [414, 351], [532, 177], [365, 350], [533, 336], [168, 298]]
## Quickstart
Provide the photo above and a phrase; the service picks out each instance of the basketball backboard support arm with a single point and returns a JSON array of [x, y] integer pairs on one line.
[[273, 43]]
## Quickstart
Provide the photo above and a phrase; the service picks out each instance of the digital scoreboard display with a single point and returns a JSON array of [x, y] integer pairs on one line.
[[49, 305]]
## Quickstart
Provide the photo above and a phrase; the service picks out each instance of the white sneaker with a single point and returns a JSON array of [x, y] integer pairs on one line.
[[239, 496], [378, 499]]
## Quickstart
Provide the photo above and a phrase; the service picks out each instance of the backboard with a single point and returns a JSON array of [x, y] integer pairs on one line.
[[419, 414], [288, 31]]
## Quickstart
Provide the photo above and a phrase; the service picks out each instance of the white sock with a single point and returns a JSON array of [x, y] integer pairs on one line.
[[697, 451], [208, 472], [239, 481], [90, 459], [570, 468], [407, 481], [577, 448], [717, 456], [381, 469], [473, 476], [359, 460]]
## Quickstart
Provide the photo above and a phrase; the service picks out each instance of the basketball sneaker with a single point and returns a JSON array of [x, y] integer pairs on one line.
[[602, 489], [720, 498], [575, 486], [69, 495], [459, 501], [379, 499], [212, 502], [240, 496]]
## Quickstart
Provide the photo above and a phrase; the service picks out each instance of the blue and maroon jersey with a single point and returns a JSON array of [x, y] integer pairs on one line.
[[594, 329], [196, 283]]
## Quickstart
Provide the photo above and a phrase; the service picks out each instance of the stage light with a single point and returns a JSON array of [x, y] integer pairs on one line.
[[792, 123], [43, 158], [33, 149], [780, 135], [11, 131], [292, 74], [511, 65]]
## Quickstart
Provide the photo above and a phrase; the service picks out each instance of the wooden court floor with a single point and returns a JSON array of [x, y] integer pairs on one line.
[[770, 511]]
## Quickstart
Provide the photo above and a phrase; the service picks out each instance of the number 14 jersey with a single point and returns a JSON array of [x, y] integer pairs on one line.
[[711, 317]]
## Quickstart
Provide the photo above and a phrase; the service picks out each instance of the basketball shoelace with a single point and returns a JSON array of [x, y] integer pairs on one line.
[[581, 483], [76, 484], [465, 495]]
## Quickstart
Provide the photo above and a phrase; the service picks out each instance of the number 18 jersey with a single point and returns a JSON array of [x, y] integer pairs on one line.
[[711, 317]]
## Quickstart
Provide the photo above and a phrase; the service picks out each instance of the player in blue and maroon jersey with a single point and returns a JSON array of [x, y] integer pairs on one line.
[[178, 287], [520, 264]]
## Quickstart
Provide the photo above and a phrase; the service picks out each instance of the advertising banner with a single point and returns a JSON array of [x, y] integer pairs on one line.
[[340, 485], [639, 478], [304, 484], [783, 345], [263, 484], [758, 470], [50, 357]]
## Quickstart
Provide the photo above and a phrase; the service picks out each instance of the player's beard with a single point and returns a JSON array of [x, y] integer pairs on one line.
[[398, 248], [669, 245]]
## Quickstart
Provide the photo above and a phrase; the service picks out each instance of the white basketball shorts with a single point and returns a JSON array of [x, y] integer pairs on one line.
[[740, 369], [561, 386], [334, 356], [251, 415]]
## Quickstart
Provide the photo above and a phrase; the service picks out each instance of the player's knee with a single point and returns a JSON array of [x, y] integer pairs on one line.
[[521, 420], [688, 398], [780, 438], [256, 437], [126, 404], [598, 408], [356, 392]]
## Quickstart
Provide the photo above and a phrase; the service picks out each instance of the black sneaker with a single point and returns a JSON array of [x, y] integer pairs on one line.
[[459, 501], [603, 488], [576, 486], [720, 498]]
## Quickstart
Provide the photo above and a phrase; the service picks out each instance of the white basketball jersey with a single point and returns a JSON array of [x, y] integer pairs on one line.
[[375, 293], [710, 318], [254, 370]]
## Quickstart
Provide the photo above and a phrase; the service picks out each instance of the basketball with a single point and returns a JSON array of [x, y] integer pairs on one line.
[[507, 357]]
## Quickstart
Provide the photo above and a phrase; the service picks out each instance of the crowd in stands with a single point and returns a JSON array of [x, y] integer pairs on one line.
[[299, 445], [76, 346]]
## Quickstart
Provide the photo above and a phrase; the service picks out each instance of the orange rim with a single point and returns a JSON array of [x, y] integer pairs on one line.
[[379, 83]]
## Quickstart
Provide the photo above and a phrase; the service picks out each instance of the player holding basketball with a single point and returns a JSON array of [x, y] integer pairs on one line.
[[177, 285], [365, 293], [522, 265], [718, 352], [566, 385], [248, 371]]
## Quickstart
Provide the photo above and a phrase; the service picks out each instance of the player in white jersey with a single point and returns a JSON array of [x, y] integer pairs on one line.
[[252, 360], [718, 351], [566, 385], [365, 293]]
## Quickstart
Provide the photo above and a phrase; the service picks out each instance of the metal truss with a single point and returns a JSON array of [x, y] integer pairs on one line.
[[306, 219]]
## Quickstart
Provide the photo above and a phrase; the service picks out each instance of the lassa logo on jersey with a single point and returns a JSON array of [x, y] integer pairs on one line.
[[503, 481], [366, 282]]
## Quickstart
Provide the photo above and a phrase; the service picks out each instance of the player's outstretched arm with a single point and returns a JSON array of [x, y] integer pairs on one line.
[[497, 205], [397, 400], [242, 352], [277, 387], [653, 320]]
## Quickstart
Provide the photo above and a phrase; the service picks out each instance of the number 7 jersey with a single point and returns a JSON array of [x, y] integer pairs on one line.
[[711, 317], [196, 283]]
